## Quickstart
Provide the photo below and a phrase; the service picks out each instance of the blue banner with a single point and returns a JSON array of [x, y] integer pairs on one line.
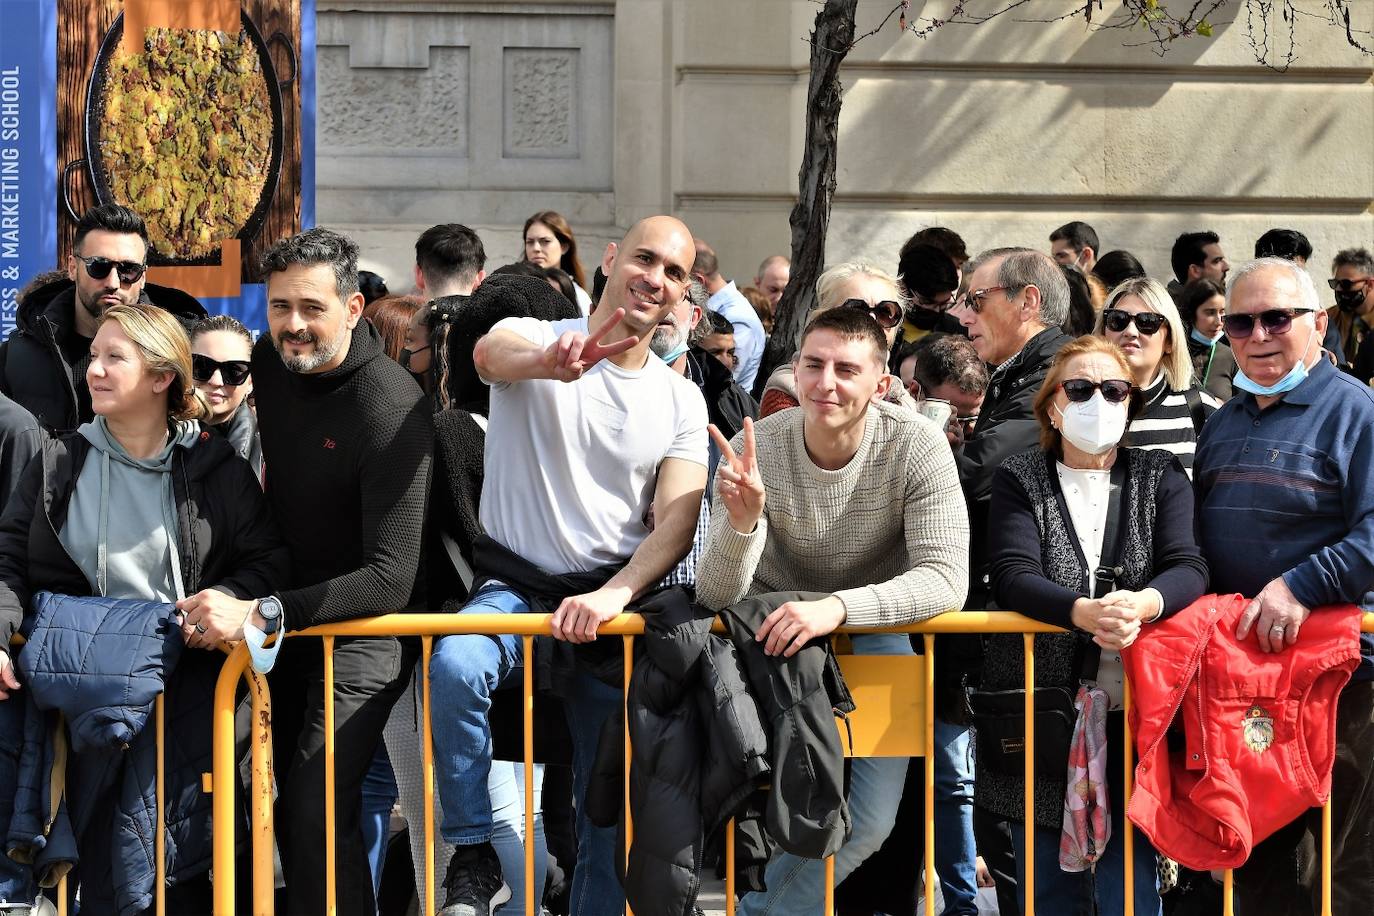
[[28, 148]]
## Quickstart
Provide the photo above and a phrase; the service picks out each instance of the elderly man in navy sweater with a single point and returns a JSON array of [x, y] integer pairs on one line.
[[1285, 480]]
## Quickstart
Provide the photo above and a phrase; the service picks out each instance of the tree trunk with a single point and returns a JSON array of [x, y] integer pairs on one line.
[[830, 42]]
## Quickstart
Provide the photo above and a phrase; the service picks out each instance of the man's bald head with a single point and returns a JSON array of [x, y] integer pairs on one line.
[[772, 278], [648, 272]]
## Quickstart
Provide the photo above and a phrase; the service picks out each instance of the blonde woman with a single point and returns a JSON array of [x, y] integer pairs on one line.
[[141, 503], [1140, 317], [853, 284]]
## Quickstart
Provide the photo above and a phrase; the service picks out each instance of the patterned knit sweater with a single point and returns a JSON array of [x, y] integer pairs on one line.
[[887, 533]]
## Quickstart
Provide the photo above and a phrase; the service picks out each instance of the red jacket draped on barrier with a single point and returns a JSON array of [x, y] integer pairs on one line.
[[1258, 729]]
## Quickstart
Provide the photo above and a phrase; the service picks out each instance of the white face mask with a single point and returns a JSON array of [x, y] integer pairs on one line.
[[1093, 426]]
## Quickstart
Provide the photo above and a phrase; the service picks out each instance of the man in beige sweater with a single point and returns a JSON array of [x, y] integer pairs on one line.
[[848, 495]]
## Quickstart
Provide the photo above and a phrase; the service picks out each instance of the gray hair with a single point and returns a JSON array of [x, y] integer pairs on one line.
[[696, 294], [1307, 290], [1359, 258], [1023, 267], [316, 246]]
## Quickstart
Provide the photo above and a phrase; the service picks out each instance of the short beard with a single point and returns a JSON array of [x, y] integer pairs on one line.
[[309, 362], [666, 340]]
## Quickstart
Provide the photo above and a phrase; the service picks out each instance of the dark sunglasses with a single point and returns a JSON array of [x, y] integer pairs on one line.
[[1345, 284], [887, 313], [1078, 390], [232, 371], [973, 299], [99, 268], [1275, 321], [1147, 323]]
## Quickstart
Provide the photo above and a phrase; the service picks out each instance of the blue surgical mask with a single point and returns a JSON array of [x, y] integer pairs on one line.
[[1202, 338], [672, 355], [1292, 379]]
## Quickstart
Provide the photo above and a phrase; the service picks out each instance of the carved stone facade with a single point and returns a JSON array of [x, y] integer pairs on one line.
[[484, 111]]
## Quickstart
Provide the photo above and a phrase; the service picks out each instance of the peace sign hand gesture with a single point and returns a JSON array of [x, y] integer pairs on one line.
[[573, 353], [738, 482]]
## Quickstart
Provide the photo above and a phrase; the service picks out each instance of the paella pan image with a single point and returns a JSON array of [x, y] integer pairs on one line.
[[186, 138], [186, 129]]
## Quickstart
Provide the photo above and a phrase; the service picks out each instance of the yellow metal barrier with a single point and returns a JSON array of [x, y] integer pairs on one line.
[[528, 626]]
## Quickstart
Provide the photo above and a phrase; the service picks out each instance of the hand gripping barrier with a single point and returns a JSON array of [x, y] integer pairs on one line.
[[429, 626]]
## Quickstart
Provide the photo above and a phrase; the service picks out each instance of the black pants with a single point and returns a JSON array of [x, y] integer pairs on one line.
[[369, 676], [1283, 874]]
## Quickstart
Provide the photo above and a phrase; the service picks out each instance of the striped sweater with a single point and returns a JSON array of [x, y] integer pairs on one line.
[[1167, 422], [887, 533]]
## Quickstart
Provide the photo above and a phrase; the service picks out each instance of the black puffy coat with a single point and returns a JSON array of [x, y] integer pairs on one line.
[[227, 541], [710, 717]]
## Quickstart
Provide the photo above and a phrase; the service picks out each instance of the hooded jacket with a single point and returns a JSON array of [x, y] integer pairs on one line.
[[35, 372], [1256, 726], [226, 540], [1213, 367]]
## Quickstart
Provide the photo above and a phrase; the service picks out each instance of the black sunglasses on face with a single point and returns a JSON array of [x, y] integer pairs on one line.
[[1275, 321], [1147, 323], [232, 371], [1345, 284], [1078, 390], [887, 313], [99, 268]]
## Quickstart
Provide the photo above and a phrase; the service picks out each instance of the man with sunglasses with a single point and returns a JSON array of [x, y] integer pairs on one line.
[[1285, 481], [1352, 282], [43, 364]]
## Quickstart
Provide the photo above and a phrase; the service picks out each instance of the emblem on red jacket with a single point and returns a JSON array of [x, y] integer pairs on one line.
[[1258, 728]]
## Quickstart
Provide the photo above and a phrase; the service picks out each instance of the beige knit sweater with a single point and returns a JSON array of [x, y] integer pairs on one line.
[[888, 533]]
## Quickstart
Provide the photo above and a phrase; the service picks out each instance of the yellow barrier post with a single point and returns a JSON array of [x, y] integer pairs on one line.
[[225, 773], [330, 815], [929, 643], [1228, 894], [629, 659], [829, 886], [530, 899], [160, 829], [730, 867], [1028, 867], [1128, 756], [427, 773], [260, 788], [1326, 858]]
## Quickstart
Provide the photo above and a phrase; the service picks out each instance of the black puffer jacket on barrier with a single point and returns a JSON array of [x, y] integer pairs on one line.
[[709, 717]]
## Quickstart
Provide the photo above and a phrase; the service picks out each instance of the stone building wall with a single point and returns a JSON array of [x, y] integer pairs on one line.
[[483, 112]]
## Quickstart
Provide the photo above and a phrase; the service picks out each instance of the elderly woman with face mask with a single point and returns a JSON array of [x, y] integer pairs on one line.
[[1098, 539]]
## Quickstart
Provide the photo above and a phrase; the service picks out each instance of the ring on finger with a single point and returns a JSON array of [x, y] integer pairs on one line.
[[200, 628]]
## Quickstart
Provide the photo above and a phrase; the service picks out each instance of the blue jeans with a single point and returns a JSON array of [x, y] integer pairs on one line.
[[16, 880], [507, 788], [796, 885], [379, 796], [464, 670], [1072, 893], [955, 851]]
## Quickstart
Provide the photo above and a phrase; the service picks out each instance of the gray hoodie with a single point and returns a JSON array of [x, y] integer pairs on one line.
[[122, 521]]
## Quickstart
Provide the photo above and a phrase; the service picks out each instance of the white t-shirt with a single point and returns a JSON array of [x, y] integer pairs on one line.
[[571, 467]]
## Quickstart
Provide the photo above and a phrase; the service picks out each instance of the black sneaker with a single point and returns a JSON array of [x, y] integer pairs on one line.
[[474, 883]]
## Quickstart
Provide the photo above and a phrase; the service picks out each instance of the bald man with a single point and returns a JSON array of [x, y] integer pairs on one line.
[[590, 436], [773, 275]]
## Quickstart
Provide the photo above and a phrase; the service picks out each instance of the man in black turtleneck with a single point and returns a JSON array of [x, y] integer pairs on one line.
[[347, 439]]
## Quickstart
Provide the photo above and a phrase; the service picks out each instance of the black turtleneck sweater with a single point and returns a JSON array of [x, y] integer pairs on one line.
[[347, 454]]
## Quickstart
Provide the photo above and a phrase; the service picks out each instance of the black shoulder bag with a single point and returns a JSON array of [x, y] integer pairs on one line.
[[999, 716]]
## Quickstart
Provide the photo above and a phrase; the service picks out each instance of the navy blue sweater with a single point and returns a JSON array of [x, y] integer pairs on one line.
[[1289, 491]]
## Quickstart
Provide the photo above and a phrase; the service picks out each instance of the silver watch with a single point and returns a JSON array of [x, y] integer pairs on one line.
[[269, 609]]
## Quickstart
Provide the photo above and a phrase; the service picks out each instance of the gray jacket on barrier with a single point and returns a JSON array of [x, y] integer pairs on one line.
[[710, 718]]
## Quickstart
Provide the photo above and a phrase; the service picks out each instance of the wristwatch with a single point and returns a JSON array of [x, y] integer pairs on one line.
[[269, 609]]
